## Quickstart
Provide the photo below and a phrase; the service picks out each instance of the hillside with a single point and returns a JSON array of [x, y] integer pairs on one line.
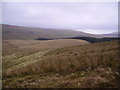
[[78, 66], [13, 49], [17, 32], [11, 45]]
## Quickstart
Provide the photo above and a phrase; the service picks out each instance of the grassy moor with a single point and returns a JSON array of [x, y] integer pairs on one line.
[[67, 64], [60, 44]]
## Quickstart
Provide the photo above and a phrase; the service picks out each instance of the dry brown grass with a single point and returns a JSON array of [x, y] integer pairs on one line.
[[98, 78], [46, 44], [21, 52], [73, 59], [84, 66]]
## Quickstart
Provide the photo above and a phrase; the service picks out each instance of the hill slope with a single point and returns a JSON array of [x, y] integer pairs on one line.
[[18, 51], [17, 32], [83, 66]]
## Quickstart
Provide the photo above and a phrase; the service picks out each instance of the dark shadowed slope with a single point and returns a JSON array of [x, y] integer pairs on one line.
[[17, 32], [95, 40]]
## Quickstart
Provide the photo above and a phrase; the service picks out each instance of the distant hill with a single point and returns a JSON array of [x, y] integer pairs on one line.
[[18, 32], [114, 34]]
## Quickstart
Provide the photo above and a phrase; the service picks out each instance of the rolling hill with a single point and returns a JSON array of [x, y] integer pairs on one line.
[[93, 65], [13, 46], [23, 33], [21, 52], [70, 60]]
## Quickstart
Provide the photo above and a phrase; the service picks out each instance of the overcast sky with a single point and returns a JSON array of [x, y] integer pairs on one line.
[[91, 17]]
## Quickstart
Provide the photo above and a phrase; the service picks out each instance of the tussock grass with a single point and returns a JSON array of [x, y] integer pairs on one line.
[[73, 59]]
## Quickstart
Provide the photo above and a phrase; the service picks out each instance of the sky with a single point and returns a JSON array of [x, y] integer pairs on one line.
[[90, 17]]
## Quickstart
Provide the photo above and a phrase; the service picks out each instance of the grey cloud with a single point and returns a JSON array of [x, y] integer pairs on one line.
[[76, 16]]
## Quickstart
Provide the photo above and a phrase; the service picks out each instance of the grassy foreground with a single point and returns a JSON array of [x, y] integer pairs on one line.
[[85, 66]]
